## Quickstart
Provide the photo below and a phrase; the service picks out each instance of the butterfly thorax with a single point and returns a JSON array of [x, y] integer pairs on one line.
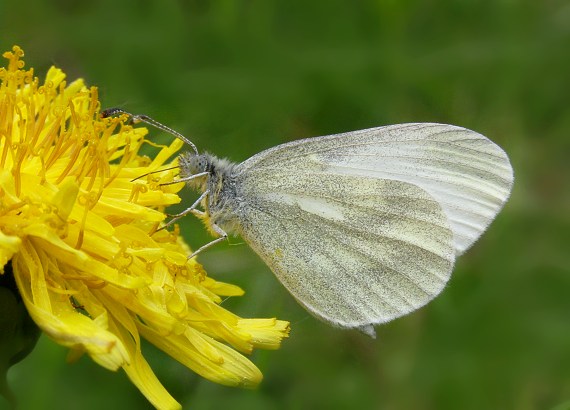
[[220, 182]]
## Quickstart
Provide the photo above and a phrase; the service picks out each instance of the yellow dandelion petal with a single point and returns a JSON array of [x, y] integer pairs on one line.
[[142, 375], [80, 209], [55, 315], [9, 245], [265, 333], [207, 357]]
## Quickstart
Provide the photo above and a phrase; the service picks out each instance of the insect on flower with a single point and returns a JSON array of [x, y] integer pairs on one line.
[[361, 227]]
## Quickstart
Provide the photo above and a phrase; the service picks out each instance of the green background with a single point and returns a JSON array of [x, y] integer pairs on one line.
[[241, 76]]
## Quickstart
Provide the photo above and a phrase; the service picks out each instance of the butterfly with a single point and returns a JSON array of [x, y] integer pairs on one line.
[[361, 227]]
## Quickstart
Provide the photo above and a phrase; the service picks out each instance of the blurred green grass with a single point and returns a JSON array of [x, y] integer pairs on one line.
[[238, 77]]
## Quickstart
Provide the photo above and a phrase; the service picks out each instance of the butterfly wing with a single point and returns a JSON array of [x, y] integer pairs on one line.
[[466, 173], [355, 251]]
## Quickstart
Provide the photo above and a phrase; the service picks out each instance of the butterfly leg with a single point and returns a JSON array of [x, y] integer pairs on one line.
[[223, 235], [187, 211], [191, 207]]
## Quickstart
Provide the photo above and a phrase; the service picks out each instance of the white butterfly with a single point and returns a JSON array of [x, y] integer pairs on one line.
[[361, 227]]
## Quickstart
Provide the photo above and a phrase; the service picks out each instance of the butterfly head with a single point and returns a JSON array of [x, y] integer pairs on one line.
[[192, 164]]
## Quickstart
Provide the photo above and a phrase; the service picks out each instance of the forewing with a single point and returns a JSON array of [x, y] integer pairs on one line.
[[355, 251], [465, 172]]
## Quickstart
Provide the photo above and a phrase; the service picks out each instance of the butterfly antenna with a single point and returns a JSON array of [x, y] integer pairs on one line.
[[146, 119]]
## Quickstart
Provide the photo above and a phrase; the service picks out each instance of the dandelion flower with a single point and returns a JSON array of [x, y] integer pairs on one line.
[[80, 233]]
